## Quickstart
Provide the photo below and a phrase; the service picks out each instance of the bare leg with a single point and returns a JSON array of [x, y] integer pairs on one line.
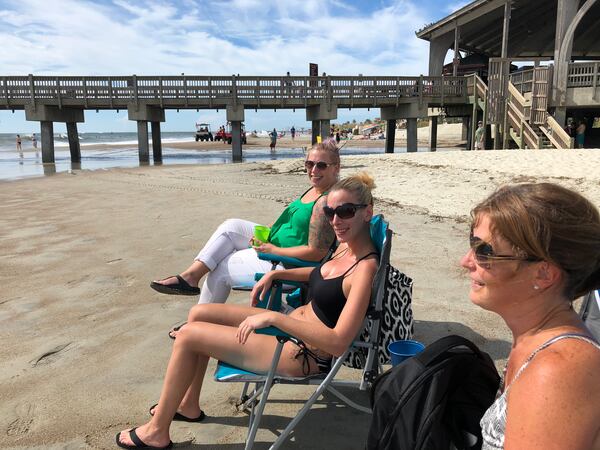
[[188, 360], [193, 274]]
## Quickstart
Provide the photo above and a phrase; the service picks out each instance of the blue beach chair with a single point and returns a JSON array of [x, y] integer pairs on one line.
[[381, 236]]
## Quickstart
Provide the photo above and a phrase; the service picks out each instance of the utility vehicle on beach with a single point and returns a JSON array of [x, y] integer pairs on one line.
[[203, 132], [224, 134]]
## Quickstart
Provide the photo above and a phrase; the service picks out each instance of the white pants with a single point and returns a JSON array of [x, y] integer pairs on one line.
[[230, 260]]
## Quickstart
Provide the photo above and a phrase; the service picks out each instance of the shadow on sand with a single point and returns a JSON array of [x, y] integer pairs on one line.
[[331, 423]]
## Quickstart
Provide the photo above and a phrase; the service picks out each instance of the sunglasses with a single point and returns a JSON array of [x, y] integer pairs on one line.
[[485, 255], [321, 165], [345, 211]]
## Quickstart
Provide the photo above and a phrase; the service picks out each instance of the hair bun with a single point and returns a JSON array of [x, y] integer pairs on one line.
[[366, 179]]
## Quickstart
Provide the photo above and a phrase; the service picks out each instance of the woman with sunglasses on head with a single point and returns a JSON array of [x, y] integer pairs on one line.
[[535, 248], [301, 231], [339, 294]]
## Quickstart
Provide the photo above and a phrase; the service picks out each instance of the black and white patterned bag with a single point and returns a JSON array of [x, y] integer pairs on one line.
[[396, 323]]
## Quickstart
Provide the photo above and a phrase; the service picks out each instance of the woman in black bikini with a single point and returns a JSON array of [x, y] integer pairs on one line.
[[339, 294]]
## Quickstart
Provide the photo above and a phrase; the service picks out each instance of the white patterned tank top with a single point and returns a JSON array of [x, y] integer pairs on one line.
[[493, 422]]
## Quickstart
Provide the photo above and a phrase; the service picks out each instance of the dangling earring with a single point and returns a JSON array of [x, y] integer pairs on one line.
[[536, 287]]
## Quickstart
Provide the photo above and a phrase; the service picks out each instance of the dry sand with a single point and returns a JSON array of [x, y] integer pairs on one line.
[[84, 338]]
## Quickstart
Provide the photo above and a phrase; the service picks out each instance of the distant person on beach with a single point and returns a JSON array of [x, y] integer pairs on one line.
[[534, 250], [339, 293], [580, 134], [480, 136], [337, 137], [34, 140], [273, 136], [293, 132], [229, 257], [19, 147], [570, 128]]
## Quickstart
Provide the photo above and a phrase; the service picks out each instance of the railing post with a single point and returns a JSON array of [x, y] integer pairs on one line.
[[420, 87], [210, 94], [110, 92], [6, 97], [234, 91], [185, 91], [160, 91], [58, 93], [595, 80], [135, 93], [329, 92], [443, 91], [85, 93], [31, 90]]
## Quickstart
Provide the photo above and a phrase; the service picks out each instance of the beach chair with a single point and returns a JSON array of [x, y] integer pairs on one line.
[[381, 235], [590, 312]]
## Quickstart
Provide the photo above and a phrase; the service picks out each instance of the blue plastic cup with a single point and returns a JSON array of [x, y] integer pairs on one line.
[[401, 350]]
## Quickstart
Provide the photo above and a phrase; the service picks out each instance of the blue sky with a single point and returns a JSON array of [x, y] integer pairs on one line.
[[211, 37]]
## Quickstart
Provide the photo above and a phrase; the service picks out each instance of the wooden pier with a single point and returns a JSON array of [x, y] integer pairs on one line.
[[50, 99]]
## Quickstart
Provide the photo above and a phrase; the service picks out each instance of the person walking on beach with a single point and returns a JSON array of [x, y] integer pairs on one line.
[[479, 136], [273, 136], [293, 132], [580, 134], [19, 148], [34, 140], [533, 251]]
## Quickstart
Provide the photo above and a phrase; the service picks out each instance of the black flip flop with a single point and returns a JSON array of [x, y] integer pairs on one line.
[[181, 288], [177, 328], [180, 417], [139, 443]]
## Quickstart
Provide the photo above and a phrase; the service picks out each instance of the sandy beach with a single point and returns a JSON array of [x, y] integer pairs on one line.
[[84, 338]]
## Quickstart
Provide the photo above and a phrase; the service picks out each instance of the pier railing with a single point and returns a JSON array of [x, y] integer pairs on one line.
[[111, 92], [584, 75]]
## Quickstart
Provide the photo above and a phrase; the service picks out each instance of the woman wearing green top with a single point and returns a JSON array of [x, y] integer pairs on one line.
[[301, 231]]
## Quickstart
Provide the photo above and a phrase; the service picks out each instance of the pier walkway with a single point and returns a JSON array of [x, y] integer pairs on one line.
[[49, 99]]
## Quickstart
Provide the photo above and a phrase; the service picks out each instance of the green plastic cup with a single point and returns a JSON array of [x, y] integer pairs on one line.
[[261, 233]]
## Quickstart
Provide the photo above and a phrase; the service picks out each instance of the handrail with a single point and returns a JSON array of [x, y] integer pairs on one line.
[[559, 134], [191, 90], [529, 135]]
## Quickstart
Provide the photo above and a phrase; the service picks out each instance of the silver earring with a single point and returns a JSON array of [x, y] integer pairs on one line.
[[536, 287]]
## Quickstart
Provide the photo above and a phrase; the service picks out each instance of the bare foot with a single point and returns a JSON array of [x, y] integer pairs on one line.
[[146, 435]]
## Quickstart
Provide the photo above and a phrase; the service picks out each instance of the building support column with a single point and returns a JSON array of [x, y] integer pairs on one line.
[[47, 135], [390, 136], [433, 125], [325, 128], [464, 135], [156, 142], [143, 148], [74, 146], [316, 126], [236, 140], [474, 120], [438, 48], [456, 59], [411, 135]]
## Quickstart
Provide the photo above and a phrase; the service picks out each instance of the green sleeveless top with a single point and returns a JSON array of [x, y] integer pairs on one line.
[[291, 228]]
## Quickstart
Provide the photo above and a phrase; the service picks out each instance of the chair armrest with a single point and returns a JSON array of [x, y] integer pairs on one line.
[[287, 261]]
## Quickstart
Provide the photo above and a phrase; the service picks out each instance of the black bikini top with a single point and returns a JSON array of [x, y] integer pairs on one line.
[[327, 295]]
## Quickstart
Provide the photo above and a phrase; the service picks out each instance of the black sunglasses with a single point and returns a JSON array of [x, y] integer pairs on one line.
[[321, 165], [345, 211], [485, 255]]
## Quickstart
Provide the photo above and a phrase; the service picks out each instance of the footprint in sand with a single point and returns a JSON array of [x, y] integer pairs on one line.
[[22, 424], [49, 356]]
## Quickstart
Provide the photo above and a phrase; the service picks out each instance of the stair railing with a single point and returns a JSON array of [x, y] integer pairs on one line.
[[518, 111]]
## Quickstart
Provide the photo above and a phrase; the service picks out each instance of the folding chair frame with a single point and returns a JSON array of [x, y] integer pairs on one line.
[[324, 382]]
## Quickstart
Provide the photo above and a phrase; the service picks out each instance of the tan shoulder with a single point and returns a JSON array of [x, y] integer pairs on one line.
[[567, 362]]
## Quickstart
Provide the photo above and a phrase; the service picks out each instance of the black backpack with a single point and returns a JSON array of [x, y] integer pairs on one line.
[[434, 400]]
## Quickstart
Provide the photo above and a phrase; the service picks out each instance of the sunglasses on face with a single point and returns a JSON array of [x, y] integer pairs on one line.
[[321, 165], [485, 255], [345, 211]]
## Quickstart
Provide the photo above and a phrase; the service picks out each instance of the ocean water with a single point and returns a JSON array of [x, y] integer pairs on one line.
[[15, 165]]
